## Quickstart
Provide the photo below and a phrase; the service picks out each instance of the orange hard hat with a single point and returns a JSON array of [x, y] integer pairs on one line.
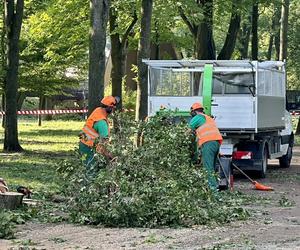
[[110, 101], [196, 105]]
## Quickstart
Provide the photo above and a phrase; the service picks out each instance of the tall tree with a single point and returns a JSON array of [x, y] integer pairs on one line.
[[2, 57], [2, 45], [143, 53], [97, 59], [274, 32], [205, 46], [284, 29], [234, 26], [202, 29], [276, 17], [54, 56], [293, 46], [13, 21], [254, 31], [119, 43], [244, 37]]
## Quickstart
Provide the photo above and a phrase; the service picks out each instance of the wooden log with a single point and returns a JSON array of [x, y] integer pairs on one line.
[[10, 200]]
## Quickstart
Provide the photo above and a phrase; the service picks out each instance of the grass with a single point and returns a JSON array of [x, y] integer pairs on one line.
[[44, 147], [295, 123]]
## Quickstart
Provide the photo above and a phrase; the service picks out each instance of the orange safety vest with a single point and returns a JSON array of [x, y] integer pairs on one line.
[[208, 132], [89, 133]]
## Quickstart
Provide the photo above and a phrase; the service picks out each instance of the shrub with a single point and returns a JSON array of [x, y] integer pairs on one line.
[[8, 221], [6, 225]]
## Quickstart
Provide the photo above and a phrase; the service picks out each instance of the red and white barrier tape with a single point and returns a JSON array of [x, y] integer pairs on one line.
[[55, 112], [48, 112], [76, 111]]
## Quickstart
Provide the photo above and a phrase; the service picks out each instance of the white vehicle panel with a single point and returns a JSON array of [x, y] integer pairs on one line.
[[234, 112], [227, 111]]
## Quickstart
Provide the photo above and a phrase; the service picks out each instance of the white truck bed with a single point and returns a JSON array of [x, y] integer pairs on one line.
[[247, 95], [231, 113]]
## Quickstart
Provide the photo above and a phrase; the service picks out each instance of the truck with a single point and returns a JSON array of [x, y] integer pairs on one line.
[[246, 98]]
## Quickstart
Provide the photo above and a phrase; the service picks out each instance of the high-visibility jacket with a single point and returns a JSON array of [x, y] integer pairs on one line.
[[208, 132], [89, 134]]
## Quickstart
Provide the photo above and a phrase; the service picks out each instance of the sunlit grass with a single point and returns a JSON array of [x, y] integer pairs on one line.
[[45, 147], [53, 136], [295, 120]]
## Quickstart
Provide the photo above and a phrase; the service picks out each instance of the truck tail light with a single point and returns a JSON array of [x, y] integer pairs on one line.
[[242, 155]]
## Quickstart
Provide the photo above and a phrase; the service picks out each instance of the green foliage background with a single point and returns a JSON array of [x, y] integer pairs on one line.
[[55, 33]]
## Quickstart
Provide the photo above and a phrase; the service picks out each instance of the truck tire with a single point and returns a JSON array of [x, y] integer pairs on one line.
[[285, 160], [262, 172]]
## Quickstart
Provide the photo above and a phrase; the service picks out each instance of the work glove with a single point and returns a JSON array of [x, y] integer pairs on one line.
[[82, 136]]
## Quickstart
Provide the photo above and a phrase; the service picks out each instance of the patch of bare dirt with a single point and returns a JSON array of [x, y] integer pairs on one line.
[[275, 225]]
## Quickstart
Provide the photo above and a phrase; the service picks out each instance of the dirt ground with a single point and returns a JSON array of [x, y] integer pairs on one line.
[[275, 225]]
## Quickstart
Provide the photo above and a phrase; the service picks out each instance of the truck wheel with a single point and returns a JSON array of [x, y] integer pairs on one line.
[[264, 164], [285, 161]]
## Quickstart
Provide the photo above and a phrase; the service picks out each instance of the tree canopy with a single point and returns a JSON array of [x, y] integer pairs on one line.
[[54, 36]]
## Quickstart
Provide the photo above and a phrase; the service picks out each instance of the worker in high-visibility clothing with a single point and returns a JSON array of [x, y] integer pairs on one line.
[[95, 133], [208, 139]]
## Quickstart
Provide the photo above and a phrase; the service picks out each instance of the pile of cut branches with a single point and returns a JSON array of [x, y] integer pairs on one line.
[[154, 184]]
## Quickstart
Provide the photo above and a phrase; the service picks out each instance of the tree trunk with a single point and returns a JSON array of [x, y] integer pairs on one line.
[[254, 41], [20, 100], [3, 61], [143, 53], [284, 29], [118, 52], [97, 60], [41, 107], [277, 16], [205, 45], [131, 59], [3, 39], [3, 108], [48, 105], [270, 47], [157, 42], [118, 57], [13, 21], [10, 200], [230, 41], [244, 38]]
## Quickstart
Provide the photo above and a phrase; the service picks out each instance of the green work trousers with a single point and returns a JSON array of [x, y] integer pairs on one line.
[[88, 160], [209, 152]]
